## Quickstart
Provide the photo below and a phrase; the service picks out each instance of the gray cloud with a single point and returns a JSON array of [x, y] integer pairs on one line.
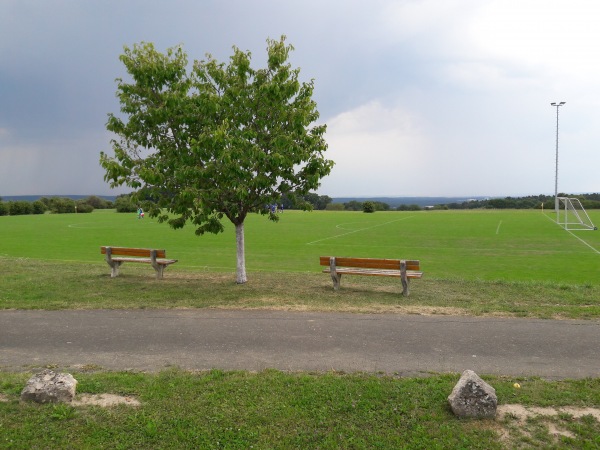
[[459, 90]]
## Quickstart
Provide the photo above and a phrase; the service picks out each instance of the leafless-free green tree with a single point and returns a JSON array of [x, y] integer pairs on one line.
[[223, 140]]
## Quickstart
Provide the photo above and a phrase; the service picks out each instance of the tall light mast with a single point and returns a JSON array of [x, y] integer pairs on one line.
[[556, 206]]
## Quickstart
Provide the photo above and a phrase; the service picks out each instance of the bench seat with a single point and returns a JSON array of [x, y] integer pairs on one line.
[[374, 272], [157, 258], [399, 268]]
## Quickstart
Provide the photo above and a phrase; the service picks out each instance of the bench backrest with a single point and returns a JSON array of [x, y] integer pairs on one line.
[[371, 263], [125, 251]]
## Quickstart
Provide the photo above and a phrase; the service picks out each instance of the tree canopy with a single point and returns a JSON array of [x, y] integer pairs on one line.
[[217, 140]]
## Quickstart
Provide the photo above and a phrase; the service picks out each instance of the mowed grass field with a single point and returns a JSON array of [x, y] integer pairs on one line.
[[500, 263], [494, 245]]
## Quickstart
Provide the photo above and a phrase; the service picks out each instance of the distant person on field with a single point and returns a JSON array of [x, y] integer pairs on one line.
[[140, 213]]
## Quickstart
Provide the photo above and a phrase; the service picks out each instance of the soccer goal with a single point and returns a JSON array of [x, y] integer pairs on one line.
[[572, 215]]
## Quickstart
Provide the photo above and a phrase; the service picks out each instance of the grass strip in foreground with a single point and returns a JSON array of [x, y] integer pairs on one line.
[[272, 409]]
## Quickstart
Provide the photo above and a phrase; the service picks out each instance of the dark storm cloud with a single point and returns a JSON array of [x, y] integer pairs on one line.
[[443, 86]]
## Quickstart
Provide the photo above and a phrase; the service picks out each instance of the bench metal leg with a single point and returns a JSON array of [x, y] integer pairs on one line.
[[114, 268], [335, 277], [160, 268], [405, 286], [114, 265], [404, 278]]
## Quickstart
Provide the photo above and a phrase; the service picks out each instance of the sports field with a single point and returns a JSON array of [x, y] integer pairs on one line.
[[489, 245]]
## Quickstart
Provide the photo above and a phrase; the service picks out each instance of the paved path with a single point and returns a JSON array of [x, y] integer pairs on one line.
[[410, 345]]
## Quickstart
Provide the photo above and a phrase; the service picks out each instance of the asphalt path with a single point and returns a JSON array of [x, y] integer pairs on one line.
[[405, 345]]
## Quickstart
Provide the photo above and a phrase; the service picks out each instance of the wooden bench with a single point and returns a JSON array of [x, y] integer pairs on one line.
[[136, 255], [403, 269]]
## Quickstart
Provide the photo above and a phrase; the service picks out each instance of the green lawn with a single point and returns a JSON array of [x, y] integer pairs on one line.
[[275, 410], [470, 245], [501, 263]]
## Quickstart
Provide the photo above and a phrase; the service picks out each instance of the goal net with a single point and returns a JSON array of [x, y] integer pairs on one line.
[[572, 215]]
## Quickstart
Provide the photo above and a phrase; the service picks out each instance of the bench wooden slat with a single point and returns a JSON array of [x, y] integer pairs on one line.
[[375, 272], [371, 263], [145, 260], [133, 251]]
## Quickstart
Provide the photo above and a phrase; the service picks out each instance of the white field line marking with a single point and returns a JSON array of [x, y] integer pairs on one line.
[[95, 225], [79, 225], [356, 231], [498, 229], [572, 234], [340, 226]]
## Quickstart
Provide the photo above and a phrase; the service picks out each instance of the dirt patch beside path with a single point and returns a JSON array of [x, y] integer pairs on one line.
[[104, 400], [513, 421]]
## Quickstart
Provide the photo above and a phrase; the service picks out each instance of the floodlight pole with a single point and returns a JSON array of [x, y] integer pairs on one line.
[[556, 208]]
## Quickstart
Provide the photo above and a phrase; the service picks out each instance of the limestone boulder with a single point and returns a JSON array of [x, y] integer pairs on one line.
[[50, 387], [472, 397]]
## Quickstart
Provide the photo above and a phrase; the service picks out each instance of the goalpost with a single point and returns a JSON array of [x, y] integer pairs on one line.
[[572, 215]]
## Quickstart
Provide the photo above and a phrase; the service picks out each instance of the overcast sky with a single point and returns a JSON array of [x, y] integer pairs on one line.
[[421, 97]]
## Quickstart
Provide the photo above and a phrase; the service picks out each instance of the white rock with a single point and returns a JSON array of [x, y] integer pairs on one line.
[[50, 387], [473, 397]]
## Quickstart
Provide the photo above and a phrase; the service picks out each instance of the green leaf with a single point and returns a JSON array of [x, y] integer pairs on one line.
[[219, 139]]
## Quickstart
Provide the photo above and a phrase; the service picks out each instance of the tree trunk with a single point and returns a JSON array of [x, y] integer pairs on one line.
[[241, 254]]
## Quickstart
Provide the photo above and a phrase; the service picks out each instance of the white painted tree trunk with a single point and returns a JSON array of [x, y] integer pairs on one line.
[[241, 255]]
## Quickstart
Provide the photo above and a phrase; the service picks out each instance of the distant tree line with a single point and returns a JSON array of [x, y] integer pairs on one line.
[[55, 205], [588, 201], [316, 201], [367, 206], [324, 202], [127, 203]]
